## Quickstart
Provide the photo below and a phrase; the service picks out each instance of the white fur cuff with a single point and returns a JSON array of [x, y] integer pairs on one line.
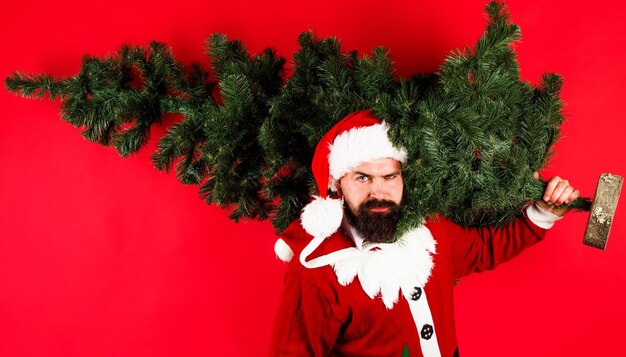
[[541, 217]]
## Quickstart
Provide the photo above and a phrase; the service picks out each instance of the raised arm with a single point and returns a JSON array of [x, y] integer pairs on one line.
[[478, 249]]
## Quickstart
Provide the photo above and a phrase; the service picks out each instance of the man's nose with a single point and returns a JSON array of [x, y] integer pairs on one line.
[[378, 190]]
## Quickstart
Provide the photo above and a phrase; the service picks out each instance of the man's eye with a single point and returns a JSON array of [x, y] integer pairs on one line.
[[362, 178], [390, 177]]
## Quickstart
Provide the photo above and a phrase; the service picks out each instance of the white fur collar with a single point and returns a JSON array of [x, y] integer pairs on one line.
[[386, 269]]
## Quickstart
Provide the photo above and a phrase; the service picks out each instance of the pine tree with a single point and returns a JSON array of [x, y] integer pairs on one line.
[[474, 131]]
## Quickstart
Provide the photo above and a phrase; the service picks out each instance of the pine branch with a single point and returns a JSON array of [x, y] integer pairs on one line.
[[35, 86]]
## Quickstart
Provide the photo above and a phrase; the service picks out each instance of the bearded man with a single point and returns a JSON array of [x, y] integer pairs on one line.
[[355, 289]]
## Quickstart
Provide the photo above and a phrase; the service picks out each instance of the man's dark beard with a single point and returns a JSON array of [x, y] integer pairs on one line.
[[374, 227]]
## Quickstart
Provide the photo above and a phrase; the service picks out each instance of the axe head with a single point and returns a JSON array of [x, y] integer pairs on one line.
[[603, 210]]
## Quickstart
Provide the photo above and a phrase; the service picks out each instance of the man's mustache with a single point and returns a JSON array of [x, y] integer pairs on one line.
[[374, 203]]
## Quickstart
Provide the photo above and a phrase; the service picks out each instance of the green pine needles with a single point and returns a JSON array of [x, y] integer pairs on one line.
[[474, 131]]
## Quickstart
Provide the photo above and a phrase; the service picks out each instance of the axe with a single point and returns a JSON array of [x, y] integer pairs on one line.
[[602, 211]]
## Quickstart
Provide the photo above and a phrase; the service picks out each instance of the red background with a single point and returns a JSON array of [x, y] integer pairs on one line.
[[104, 256]]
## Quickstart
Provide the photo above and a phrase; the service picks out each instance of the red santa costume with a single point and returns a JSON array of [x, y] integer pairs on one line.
[[347, 297]]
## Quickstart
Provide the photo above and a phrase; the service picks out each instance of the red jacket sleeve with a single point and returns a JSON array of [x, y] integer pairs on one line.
[[307, 323], [483, 248]]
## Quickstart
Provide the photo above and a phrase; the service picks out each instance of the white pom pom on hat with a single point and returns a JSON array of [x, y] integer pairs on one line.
[[322, 216]]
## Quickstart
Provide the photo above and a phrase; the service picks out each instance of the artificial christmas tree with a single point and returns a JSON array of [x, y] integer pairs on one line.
[[474, 132]]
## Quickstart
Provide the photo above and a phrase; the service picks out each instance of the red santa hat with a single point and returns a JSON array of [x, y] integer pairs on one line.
[[356, 139]]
